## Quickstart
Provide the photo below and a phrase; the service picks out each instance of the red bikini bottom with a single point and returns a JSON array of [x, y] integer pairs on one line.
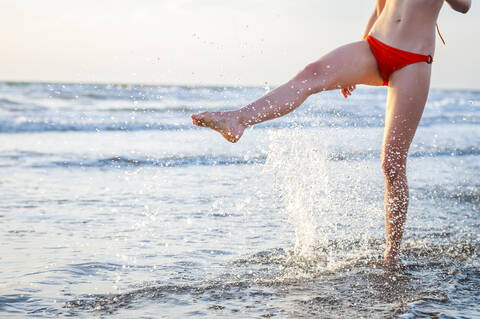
[[390, 59]]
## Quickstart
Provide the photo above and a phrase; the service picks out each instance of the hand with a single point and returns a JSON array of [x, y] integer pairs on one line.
[[346, 92], [460, 5]]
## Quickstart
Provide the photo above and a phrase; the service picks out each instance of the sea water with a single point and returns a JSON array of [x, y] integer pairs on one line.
[[113, 205]]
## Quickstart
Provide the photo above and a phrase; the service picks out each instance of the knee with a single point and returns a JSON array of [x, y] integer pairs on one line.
[[309, 71], [394, 166], [314, 77]]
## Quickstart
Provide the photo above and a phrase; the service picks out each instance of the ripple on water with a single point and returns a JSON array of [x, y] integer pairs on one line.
[[434, 277]]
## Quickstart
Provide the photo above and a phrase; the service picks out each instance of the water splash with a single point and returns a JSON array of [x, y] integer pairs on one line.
[[298, 162], [330, 204]]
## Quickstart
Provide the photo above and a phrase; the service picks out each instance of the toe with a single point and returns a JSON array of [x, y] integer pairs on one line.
[[196, 122]]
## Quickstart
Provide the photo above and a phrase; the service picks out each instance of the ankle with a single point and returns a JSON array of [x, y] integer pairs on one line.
[[240, 119]]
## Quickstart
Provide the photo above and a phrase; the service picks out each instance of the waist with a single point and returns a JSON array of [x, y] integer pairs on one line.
[[407, 39], [408, 33]]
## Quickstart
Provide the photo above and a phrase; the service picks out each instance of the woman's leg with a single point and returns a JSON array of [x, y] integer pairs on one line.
[[348, 65], [407, 95]]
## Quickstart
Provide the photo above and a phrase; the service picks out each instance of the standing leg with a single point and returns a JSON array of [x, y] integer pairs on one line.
[[407, 95], [343, 67]]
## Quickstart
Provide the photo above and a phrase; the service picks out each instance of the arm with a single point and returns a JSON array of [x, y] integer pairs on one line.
[[379, 5], [460, 5]]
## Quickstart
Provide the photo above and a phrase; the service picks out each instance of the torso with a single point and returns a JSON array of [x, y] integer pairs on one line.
[[408, 25]]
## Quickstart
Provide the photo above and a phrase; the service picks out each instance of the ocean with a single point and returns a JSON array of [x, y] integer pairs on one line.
[[114, 205]]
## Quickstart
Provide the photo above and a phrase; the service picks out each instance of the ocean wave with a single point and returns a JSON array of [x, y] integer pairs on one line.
[[6, 301], [43, 160], [66, 93], [188, 109], [11, 105], [462, 194], [6, 101], [125, 92], [433, 152], [27, 125], [174, 161], [39, 126], [146, 120]]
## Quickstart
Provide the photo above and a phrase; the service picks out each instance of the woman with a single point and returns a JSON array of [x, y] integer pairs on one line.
[[397, 51]]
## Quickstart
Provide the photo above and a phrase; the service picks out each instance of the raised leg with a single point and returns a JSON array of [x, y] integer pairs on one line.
[[407, 95], [348, 65]]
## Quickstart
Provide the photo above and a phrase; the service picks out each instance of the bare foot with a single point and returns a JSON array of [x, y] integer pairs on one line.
[[222, 122], [391, 261]]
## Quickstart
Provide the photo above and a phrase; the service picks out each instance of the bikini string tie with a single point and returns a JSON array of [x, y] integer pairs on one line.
[[438, 30]]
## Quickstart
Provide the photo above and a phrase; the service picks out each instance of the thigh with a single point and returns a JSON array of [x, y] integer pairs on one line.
[[407, 94], [347, 65]]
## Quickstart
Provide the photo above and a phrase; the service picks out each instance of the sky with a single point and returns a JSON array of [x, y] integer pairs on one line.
[[202, 42]]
